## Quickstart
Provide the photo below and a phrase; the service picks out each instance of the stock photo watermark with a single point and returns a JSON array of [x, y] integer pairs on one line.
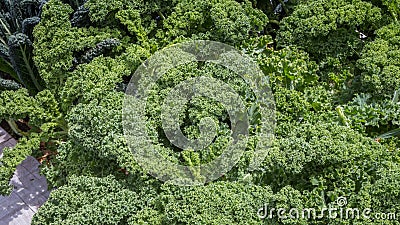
[[146, 152], [342, 211]]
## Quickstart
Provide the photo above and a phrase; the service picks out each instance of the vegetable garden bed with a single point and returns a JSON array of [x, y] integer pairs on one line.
[[92, 89]]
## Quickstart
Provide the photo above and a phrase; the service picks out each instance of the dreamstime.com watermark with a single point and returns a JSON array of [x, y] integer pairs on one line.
[[340, 212]]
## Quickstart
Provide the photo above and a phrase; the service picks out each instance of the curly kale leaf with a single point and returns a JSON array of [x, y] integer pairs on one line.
[[290, 68], [91, 200], [225, 21], [12, 157], [380, 63], [40, 109], [54, 56], [95, 144], [329, 27]]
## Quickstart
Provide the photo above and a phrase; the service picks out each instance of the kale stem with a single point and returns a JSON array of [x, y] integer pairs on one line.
[[15, 129]]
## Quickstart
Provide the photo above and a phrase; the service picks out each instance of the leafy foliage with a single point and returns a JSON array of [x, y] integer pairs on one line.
[[329, 28], [17, 21], [332, 66], [54, 57], [198, 108], [380, 63], [13, 157], [113, 202], [225, 21], [333, 33], [45, 122], [8, 85], [371, 116], [290, 68]]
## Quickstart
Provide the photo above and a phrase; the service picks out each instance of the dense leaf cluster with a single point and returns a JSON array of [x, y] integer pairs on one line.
[[380, 62], [18, 18], [333, 69]]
